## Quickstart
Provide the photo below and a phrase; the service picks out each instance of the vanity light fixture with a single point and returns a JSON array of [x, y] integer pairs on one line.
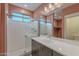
[[51, 7], [46, 10]]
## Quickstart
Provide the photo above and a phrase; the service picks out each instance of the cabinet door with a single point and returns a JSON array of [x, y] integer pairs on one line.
[[45, 51], [56, 54], [35, 48], [40, 50]]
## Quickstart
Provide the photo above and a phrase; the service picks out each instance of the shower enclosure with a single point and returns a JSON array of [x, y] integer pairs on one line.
[[18, 27]]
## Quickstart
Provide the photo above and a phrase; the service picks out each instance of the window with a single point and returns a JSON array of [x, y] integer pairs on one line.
[[26, 20], [20, 17], [25, 16], [14, 18]]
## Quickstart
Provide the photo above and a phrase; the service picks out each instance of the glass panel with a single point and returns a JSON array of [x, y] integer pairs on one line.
[[26, 20], [16, 18]]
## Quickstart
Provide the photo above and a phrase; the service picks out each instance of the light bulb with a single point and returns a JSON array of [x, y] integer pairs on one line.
[[45, 9]]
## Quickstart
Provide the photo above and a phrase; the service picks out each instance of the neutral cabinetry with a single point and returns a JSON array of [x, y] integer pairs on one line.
[[41, 50]]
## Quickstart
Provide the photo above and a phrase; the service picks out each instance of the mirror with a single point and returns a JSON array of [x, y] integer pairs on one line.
[[49, 28], [45, 27], [42, 26]]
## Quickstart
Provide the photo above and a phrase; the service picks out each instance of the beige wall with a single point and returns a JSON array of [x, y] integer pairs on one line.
[[72, 27]]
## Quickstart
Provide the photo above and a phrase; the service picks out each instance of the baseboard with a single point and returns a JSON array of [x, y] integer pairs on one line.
[[19, 52]]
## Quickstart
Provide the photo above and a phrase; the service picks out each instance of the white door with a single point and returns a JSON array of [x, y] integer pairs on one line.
[[15, 37]]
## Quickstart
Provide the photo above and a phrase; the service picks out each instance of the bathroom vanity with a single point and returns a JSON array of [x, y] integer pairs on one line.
[[51, 46], [41, 50]]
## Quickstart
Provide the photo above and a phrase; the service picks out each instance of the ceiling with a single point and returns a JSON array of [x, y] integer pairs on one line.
[[59, 10], [34, 6], [29, 6]]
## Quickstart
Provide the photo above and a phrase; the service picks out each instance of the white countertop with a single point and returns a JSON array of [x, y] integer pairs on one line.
[[62, 46]]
